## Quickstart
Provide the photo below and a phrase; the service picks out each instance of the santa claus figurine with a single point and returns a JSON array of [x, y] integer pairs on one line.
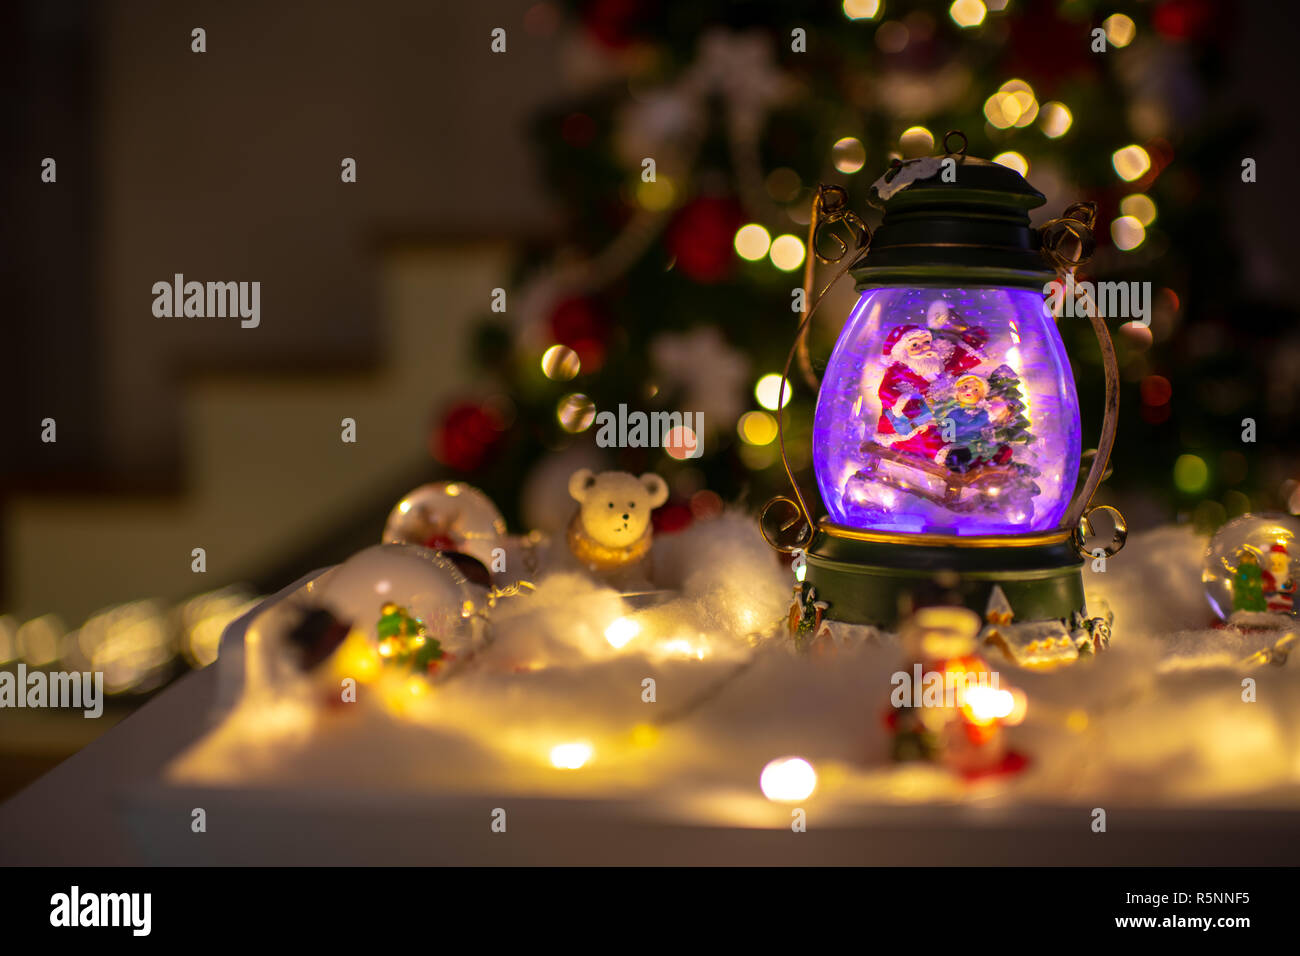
[[1279, 586], [917, 363]]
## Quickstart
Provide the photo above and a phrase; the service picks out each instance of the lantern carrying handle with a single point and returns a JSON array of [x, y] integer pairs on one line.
[[1077, 223], [830, 205]]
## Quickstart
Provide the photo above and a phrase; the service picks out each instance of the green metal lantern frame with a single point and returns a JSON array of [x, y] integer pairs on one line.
[[972, 228]]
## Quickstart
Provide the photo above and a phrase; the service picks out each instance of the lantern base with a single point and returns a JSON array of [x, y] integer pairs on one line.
[[878, 578]]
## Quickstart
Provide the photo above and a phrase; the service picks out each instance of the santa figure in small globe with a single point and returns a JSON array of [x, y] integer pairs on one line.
[[917, 363], [1279, 586]]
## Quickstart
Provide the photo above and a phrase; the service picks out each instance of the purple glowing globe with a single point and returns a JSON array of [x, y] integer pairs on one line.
[[948, 411]]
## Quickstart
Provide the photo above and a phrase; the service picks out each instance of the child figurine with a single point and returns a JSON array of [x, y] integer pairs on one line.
[[967, 435]]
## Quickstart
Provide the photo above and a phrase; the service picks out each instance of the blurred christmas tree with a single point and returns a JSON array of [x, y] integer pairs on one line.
[[685, 166]]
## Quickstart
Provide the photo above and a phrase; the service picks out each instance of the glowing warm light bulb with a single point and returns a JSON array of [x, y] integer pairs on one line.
[[757, 428], [1127, 232], [1120, 29], [1131, 162], [680, 647], [570, 756], [1140, 207], [916, 140], [357, 658], [575, 413], [768, 391], [1055, 119], [752, 242], [788, 779], [968, 13], [622, 630], [787, 252], [861, 9], [996, 108], [848, 154], [1016, 101], [987, 704], [656, 196], [1013, 160], [560, 363]]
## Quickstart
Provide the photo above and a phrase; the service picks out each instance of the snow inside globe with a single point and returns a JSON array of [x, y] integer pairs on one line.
[[948, 411]]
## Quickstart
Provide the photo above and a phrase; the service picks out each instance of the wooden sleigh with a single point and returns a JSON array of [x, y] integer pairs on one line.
[[961, 492]]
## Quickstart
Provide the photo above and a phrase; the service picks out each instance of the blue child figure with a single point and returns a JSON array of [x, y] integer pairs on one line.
[[963, 422], [967, 436]]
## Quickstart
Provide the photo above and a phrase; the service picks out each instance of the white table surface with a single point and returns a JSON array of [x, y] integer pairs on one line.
[[107, 806]]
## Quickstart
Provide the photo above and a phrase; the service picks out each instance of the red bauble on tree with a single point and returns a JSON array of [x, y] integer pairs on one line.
[[583, 325], [1049, 48], [467, 436], [617, 24], [1186, 19], [701, 235], [674, 516]]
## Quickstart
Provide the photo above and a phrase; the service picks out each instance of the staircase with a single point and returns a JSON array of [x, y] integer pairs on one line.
[[266, 471]]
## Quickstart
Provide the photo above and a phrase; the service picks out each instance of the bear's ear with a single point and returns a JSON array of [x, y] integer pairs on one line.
[[655, 487], [580, 482]]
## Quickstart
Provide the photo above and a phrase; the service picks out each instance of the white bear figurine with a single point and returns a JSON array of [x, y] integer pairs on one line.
[[611, 533]]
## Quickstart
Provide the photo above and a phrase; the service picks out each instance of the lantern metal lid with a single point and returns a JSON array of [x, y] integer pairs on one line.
[[954, 218]]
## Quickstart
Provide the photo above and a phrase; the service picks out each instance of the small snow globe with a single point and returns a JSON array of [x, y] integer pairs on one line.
[[947, 438], [1247, 570]]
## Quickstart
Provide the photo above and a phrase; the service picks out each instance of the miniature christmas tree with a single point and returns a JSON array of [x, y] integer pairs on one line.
[[1013, 428], [403, 639], [1248, 583]]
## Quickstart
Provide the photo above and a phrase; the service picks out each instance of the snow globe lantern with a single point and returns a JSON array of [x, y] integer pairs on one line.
[[947, 437]]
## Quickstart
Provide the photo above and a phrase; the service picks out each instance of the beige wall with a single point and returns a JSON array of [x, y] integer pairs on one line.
[[225, 166]]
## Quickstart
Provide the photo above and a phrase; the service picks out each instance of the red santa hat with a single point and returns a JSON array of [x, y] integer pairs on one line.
[[1278, 548], [900, 334]]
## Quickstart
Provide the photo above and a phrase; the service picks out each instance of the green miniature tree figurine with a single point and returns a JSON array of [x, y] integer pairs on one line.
[[1248, 583], [1012, 428], [403, 639]]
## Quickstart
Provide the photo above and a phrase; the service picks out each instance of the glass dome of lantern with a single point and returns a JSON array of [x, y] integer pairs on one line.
[[947, 439], [948, 409]]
